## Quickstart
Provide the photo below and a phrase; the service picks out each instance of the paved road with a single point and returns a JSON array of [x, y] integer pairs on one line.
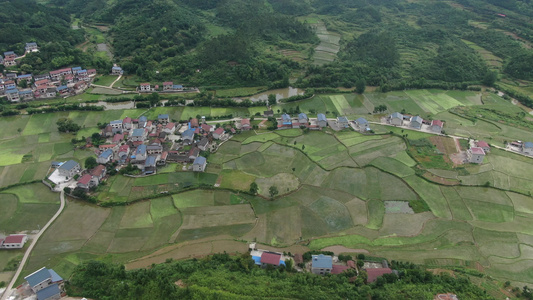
[[8, 290]]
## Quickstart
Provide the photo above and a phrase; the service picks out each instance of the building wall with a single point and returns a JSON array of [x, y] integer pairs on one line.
[[396, 121]]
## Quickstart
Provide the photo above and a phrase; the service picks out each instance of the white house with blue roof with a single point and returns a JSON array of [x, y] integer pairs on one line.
[[150, 165], [321, 120], [362, 125], [343, 122], [321, 264], [527, 148], [69, 169], [31, 47], [163, 119], [45, 283], [142, 121], [140, 153], [116, 70], [199, 164], [188, 136], [138, 135], [302, 118], [286, 120], [13, 95], [105, 157]]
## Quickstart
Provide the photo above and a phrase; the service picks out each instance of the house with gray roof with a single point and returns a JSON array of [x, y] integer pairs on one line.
[[105, 157], [199, 164], [527, 148], [40, 282], [286, 120], [140, 153], [69, 169], [150, 165], [188, 136], [322, 121], [138, 135], [362, 125], [343, 122], [142, 121], [116, 125], [303, 119], [321, 264], [396, 119], [163, 119], [416, 122]]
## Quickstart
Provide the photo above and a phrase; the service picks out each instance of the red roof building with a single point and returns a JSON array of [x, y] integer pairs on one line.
[[15, 239], [118, 138], [477, 150], [219, 130], [66, 70], [337, 269], [351, 264], [206, 128], [436, 123], [270, 259], [373, 274], [194, 123], [85, 179], [99, 170]]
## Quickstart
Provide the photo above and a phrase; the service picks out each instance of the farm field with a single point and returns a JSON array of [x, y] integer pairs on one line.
[[334, 188]]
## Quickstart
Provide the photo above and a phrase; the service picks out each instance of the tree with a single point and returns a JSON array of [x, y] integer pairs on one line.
[[67, 125], [273, 191], [360, 86], [271, 99], [90, 162], [490, 78]]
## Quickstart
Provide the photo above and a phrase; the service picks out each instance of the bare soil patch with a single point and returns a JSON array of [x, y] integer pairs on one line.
[[341, 249], [441, 180]]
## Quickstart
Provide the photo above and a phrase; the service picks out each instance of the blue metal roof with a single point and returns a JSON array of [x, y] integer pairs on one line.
[[12, 91], [48, 292], [55, 276], [25, 92], [116, 122], [257, 260], [150, 161], [31, 44], [200, 160], [286, 119], [321, 117], [138, 132], [69, 165], [302, 116], [141, 149], [106, 154], [322, 261], [362, 121], [116, 68], [417, 119], [162, 116], [63, 87], [528, 145], [24, 76], [76, 68], [82, 71], [188, 133], [37, 277], [177, 86], [8, 53], [143, 119]]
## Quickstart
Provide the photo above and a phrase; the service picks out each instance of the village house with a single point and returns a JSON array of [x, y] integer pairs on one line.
[[9, 62], [286, 120], [79, 87], [343, 122], [142, 122], [127, 123], [62, 90], [483, 145], [75, 70], [396, 119], [105, 147], [27, 77], [167, 86], [416, 122], [527, 148], [14, 241], [58, 74], [123, 153], [269, 258], [140, 153], [199, 164], [10, 84], [154, 148], [91, 72], [138, 135], [45, 283], [50, 93], [217, 134], [83, 75], [116, 70], [150, 165], [13, 95], [188, 136], [193, 153], [41, 82], [177, 87], [374, 273], [303, 119], [321, 264], [268, 113], [163, 119], [163, 159], [99, 172], [145, 87], [42, 77], [436, 126], [116, 125], [321, 120], [69, 169], [10, 54], [26, 95], [170, 128], [31, 47], [206, 129], [203, 144], [476, 155], [193, 123], [105, 157], [448, 296], [87, 181], [362, 125], [245, 124]]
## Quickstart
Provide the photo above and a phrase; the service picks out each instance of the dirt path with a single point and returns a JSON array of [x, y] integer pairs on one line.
[[8, 290], [113, 83]]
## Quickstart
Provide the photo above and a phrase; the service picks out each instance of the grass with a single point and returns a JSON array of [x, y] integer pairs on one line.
[[105, 80]]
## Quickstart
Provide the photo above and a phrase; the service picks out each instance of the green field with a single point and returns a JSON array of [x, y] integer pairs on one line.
[[332, 188]]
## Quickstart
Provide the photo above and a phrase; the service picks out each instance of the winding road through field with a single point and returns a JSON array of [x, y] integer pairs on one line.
[[9, 287]]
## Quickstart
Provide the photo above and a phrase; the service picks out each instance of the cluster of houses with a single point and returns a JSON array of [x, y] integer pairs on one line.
[[320, 264], [10, 57], [522, 147], [13, 241], [63, 82], [44, 284], [303, 121], [167, 87], [415, 122], [477, 152]]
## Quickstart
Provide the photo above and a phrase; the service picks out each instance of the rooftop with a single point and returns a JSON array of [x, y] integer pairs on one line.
[[322, 261], [69, 165], [14, 239], [483, 144], [162, 116], [85, 179], [270, 258], [138, 132], [477, 150], [342, 119], [337, 269], [321, 117], [436, 123], [200, 160], [373, 274], [397, 115], [97, 171], [362, 121], [48, 292], [219, 130], [38, 276], [106, 154]]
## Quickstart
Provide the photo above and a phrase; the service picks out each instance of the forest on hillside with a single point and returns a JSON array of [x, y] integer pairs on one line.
[[226, 277], [392, 44]]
